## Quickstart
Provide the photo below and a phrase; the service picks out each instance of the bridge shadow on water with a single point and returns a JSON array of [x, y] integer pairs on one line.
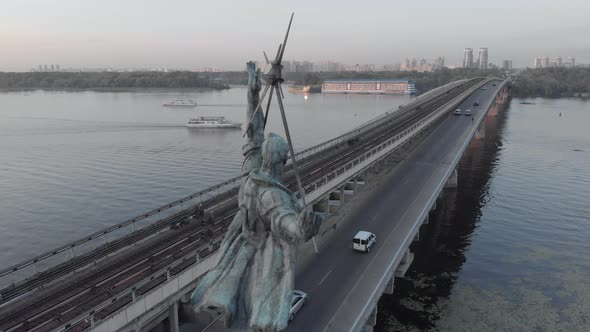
[[419, 298]]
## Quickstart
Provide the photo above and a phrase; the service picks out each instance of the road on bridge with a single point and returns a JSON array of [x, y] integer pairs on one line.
[[337, 275]]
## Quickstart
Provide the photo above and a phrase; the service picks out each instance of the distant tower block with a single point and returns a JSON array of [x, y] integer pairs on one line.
[[468, 58], [483, 58]]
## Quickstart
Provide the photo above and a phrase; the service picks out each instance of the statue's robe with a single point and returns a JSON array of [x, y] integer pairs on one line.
[[254, 277]]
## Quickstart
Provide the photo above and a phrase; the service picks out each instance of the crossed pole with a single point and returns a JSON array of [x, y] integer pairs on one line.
[[274, 79]]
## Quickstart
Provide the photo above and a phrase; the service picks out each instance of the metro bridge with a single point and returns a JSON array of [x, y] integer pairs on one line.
[[140, 274]]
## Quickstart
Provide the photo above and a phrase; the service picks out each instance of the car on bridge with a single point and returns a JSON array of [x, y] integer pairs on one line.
[[298, 300], [467, 112], [476, 103], [457, 111], [363, 241]]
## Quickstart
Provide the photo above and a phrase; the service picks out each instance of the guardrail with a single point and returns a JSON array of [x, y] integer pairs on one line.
[[384, 280], [231, 184]]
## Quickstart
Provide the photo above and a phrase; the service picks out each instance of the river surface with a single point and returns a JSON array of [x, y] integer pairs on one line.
[[72, 163], [507, 250]]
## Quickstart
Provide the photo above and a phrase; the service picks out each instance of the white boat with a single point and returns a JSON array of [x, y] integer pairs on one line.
[[181, 103], [212, 122]]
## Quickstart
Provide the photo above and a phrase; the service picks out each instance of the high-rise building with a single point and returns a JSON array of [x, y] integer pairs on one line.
[[438, 63], [468, 58], [414, 64], [483, 58], [572, 61], [544, 62], [40, 68], [507, 64], [56, 67], [52, 67], [558, 61], [45, 68]]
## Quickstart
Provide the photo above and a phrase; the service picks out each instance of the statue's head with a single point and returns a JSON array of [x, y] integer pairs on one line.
[[275, 153]]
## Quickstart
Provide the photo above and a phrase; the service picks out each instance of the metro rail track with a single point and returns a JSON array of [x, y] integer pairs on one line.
[[63, 300]]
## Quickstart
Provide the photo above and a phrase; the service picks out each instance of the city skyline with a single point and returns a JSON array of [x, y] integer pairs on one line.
[[156, 35]]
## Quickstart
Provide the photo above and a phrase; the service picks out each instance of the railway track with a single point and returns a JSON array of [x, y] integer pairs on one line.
[[65, 300]]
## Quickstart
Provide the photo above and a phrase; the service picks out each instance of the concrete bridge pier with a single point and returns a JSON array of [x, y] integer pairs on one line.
[[173, 325], [322, 206], [453, 180], [390, 286], [335, 200], [404, 265], [481, 130], [371, 322]]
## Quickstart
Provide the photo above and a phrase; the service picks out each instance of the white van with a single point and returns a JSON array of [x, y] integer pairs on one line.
[[363, 241]]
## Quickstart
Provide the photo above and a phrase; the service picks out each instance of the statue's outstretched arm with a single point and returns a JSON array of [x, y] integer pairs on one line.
[[255, 131]]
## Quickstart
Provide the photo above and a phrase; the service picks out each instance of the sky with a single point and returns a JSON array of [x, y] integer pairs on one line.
[[194, 34]]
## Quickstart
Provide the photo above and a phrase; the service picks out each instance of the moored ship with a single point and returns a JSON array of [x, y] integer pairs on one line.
[[212, 122], [370, 86], [181, 103], [299, 89]]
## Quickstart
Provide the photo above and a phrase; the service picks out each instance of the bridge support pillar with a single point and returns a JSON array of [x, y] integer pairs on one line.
[[173, 325], [404, 265], [481, 130], [371, 322], [426, 220], [417, 237], [390, 286], [321, 206], [453, 180]]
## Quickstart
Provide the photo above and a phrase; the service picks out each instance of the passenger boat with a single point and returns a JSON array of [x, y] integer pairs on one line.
[[299, 89], [181, 103], [212, 122]]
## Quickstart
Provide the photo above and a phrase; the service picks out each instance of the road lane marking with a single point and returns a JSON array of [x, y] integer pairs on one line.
[[326, 276], [392, 232]]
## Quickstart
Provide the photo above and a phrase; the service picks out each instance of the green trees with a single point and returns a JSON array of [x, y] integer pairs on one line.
[[552, 82], [106, 80]]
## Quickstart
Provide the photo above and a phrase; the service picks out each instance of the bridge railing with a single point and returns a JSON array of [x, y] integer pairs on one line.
[[89, 318], [386, 277], [77, 247]]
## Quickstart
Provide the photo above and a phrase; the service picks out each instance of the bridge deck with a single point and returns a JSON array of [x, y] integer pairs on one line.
[[344, 285]]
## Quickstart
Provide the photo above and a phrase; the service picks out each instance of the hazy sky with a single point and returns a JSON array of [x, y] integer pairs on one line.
[[217, 33]]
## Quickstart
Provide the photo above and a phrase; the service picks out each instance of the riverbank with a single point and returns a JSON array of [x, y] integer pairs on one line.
[[110, 81]]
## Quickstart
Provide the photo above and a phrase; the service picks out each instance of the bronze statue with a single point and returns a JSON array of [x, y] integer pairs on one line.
[[254, 277]]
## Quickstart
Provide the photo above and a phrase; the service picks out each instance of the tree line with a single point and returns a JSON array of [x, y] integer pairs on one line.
[[108, 80], [552, 82]]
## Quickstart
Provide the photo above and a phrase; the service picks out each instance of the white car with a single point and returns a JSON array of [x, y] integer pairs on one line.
[[363, 241], [468, 112], [298, 300], [457, 111]]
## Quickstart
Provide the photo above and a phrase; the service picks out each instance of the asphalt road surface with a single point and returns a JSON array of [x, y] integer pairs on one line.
[[331, 278]]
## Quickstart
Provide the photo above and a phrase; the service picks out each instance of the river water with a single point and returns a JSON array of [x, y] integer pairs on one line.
[[505, 251], [72, 163]]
